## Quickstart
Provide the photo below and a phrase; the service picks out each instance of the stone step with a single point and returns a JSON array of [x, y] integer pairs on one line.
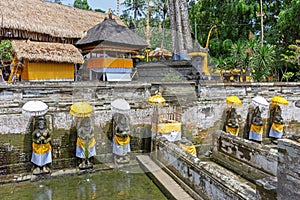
[[162, 178]]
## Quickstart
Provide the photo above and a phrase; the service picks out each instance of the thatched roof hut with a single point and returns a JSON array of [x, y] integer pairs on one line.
[[45, 21], [47, 52], [109, 35], [42, 61]]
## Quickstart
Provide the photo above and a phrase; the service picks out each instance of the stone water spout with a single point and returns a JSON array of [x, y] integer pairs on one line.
[[41, 146], [85, 143], [41, 154], [121, 131]]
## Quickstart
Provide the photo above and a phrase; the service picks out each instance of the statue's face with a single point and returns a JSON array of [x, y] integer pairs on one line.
[[87, 122], [41, 124]]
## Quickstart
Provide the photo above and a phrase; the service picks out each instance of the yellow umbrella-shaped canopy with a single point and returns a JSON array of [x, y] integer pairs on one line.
[[156, 99], [279, 100], [233, 101], [81, 109]]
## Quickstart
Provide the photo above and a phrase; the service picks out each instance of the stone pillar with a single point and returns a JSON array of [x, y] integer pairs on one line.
[[288, 172]]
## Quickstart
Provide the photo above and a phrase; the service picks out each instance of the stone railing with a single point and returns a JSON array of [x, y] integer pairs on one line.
[[257, 173], [206, 178], [288, 172]]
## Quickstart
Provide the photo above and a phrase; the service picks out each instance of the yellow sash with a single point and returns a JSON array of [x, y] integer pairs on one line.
[[277, 127], [82, 143], [189, 149], [233, 131], [257, 129], [41, 148], [122, 141]]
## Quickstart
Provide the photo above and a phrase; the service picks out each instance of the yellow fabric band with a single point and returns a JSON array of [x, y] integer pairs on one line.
[[122, 141], [277, 127], [82, 143], [41, 148], [257, 129], [233, 131]]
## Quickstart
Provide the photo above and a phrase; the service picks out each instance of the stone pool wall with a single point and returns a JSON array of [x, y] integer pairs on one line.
[[209, 180], [256, 159], [214, 180], [288, 172], [200, 117]]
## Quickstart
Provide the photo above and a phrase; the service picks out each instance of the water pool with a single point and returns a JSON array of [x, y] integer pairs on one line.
[[131, 183]]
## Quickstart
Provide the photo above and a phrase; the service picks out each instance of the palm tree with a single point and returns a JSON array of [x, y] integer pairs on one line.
[[136, 6], [160, 11], [262, 62]]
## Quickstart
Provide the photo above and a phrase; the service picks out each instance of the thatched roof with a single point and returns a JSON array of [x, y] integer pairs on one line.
[[47, 52], [110, 33], [47, 19]]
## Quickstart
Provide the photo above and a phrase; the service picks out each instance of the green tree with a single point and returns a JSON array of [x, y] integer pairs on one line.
[[287, 76], [235, 19], [158, 22], [287, 26], [291, 63], [82, 4], [136, 7], [99, 10], [262, 62], [5, 52]]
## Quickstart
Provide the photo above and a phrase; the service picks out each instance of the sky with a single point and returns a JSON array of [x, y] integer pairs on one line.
[[102, 4]]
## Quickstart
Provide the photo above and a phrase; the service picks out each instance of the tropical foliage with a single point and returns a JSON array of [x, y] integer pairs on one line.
[[5, 52], [238, 42], [235, 20], [82, 4], [254, 39]]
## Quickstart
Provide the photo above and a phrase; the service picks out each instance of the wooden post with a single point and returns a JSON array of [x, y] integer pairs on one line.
[[261, 15]]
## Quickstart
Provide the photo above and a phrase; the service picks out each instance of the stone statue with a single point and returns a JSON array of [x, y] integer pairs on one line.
[[41, 154], [121, 138], [86, 143], [231, 123], [256, 125], [275, 122]]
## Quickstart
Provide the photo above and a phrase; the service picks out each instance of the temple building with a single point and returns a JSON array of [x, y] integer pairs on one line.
[[107, 48]]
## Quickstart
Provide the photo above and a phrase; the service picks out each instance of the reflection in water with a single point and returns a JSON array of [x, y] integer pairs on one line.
[[122, 185], [128, 183], [43, 193], [86, 190]]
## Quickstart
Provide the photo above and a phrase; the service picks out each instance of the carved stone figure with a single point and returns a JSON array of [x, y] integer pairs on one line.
[[256, 125], [86, 143], [41, 154], [275, 122], [121, 138], [231, 123]]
